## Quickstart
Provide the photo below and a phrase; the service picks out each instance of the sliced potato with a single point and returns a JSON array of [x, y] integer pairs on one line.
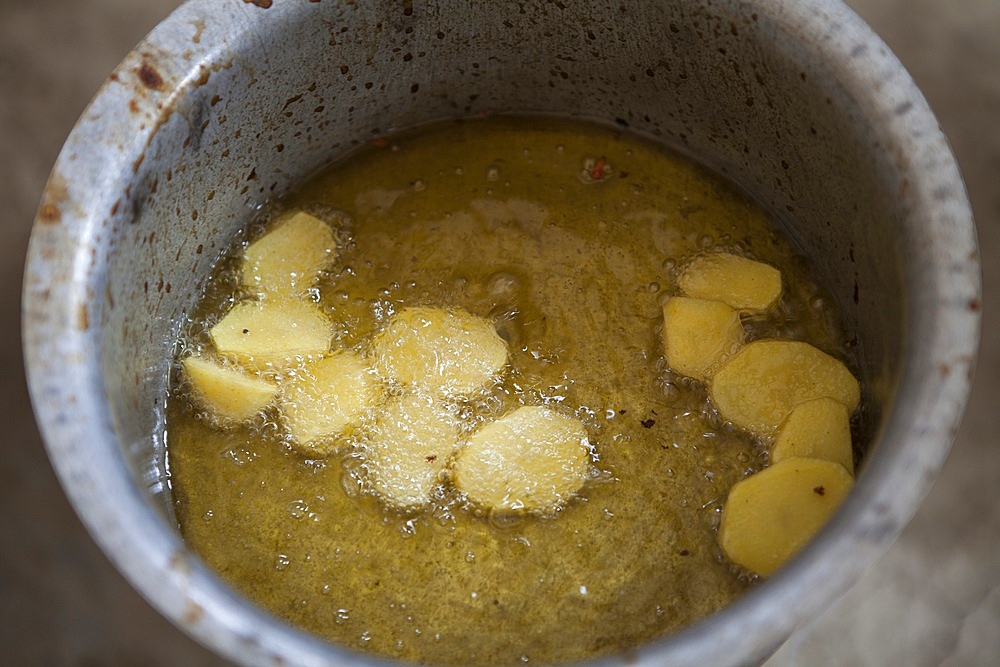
[[532, 458], [757, 387], [409, 447], [326, 399], [272, 332], [819, 429], [228, 393], [288, 259], [698, 334], [742, 283], [446, 351], [771, 515]]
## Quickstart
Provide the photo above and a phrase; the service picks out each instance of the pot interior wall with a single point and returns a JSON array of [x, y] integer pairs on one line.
[[304, 88]]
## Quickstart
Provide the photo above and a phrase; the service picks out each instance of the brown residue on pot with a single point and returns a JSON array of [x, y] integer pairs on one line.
[[49, 213], [53, 200], [149, 76], [199, 27], [180, 563], [192, 612], [206, 71], [263, 4]]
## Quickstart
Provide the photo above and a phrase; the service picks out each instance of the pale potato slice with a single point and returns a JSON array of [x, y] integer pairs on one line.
[[531, 459], [757, 387], [228, 393], [698, 334], [288, 259], [446, 351], [326, 399], [742, 283], [409, 448], [819, 429], [771, 515], [275, 332]]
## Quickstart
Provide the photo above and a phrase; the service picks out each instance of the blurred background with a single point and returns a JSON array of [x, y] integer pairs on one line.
[[933, 599]]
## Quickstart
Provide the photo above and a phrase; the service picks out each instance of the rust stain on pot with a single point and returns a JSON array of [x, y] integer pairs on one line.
[[82, 318], [199, 28], [149, 76], [54, 198], [180, 563], [208, 70], [263, 4], [49, 214], [192, 613]]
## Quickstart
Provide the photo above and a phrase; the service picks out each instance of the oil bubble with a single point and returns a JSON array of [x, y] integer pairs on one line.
[[505, 520]]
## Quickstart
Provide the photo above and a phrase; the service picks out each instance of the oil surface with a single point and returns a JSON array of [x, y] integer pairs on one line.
[[568, 237]]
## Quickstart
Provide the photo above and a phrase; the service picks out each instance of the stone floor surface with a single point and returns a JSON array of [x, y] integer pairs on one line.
[[933, 599]]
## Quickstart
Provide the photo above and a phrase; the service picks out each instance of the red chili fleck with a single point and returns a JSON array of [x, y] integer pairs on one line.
[[598, 171], [380, 142]]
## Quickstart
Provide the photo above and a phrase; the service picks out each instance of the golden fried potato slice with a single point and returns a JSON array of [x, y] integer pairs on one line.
[[769, 516], [698, 335], [742, 283], [819, 429], [275, 332], [450, 352], [326, 399], [287, 259], [227, 392], [531, 459], [757, 387], [409, 448]]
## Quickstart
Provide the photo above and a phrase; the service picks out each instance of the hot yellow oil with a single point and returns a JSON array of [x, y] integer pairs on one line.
[[568, 236]]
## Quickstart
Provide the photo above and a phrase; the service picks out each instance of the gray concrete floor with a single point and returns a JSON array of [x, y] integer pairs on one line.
[[934, 599]]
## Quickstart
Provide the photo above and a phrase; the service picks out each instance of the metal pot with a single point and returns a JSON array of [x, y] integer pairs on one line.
[[228, 104]]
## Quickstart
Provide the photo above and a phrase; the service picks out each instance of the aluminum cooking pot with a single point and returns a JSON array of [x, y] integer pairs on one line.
[[229, 103]]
